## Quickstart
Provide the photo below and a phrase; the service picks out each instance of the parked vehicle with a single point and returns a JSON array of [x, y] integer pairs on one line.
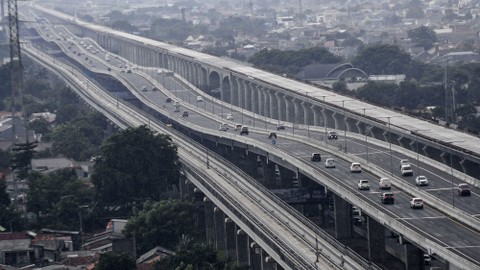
[[330, 163], [355, 167], [464, 190], [388, 198], [316, 157], [363, 184], [421, 180], [416, 203]]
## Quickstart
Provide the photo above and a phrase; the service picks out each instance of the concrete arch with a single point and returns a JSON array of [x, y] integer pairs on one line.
[[226, 90], [213, 81]]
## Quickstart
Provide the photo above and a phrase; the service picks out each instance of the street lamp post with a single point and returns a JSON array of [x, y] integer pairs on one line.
[[451, 169], [416, 149]]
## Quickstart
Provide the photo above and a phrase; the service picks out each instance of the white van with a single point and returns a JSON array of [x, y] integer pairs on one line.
[[385, 183]]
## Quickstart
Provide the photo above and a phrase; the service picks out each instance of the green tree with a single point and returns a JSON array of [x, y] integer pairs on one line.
[[196, 256], [56, 199], [39, 125], [22, 154], [135, 165], [422, 37], [382, 59], [114, 261], [162, 223], [124, 25]]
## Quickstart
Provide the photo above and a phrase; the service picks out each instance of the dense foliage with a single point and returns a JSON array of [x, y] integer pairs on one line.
[[135, 165], [195, 256], [291, 62], [382, 59], [56, 199], [111, 260], [162, 223], [422, 37]]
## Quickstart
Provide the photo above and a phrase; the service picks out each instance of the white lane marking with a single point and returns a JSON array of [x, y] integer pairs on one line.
[[409, 218]]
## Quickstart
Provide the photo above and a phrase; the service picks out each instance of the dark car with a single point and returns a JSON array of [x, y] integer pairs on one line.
[[388, 198], [168, 99], [280, 127], [332, 135], [185, 114], [272, 135], [316, 157], [463, 190]]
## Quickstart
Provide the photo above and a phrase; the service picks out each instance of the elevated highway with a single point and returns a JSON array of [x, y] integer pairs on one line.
[[280, 98], [313, 175]]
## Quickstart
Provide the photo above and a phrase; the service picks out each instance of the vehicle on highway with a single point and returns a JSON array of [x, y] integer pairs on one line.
[[464, 190], [272, 135], [168, 99], [421, 180], [244, 130], [144, 88], [316, 157], [280, 127], [223, 127], [229, 116], [122, 70], [404, 162], [388, 198], [199, 98], [363, 184], [154, 89], [176, 104], [330, 163], [238, 127], [384, 183], [332, 135], [129, 71], [355, 167], [416, 203], [176, 109], [109, 69], [185, 114], [406, 170]]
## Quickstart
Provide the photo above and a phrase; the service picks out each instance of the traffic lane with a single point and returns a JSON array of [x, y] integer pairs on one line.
[[464, 241]]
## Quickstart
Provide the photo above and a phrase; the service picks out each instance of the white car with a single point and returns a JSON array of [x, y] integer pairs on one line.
[[223, 127], [363, 184], [355, 167], [404, 162], [229, 116], [329, 163], [416, 203], [421, 180], [406, 170], [199, 98]]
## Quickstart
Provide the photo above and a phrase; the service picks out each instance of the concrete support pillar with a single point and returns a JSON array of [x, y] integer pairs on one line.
[[289, 109], [269, 176], [242, 248], [234, 89], [255, 256], [268, 262], [248, 96], [317, 116], [209, 220], [273, 104], [298, 112], [230, 233], [255, 98], [413, 257], [286, 177], [281, 107], [343, 218], [376, 240], [220, 241]]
